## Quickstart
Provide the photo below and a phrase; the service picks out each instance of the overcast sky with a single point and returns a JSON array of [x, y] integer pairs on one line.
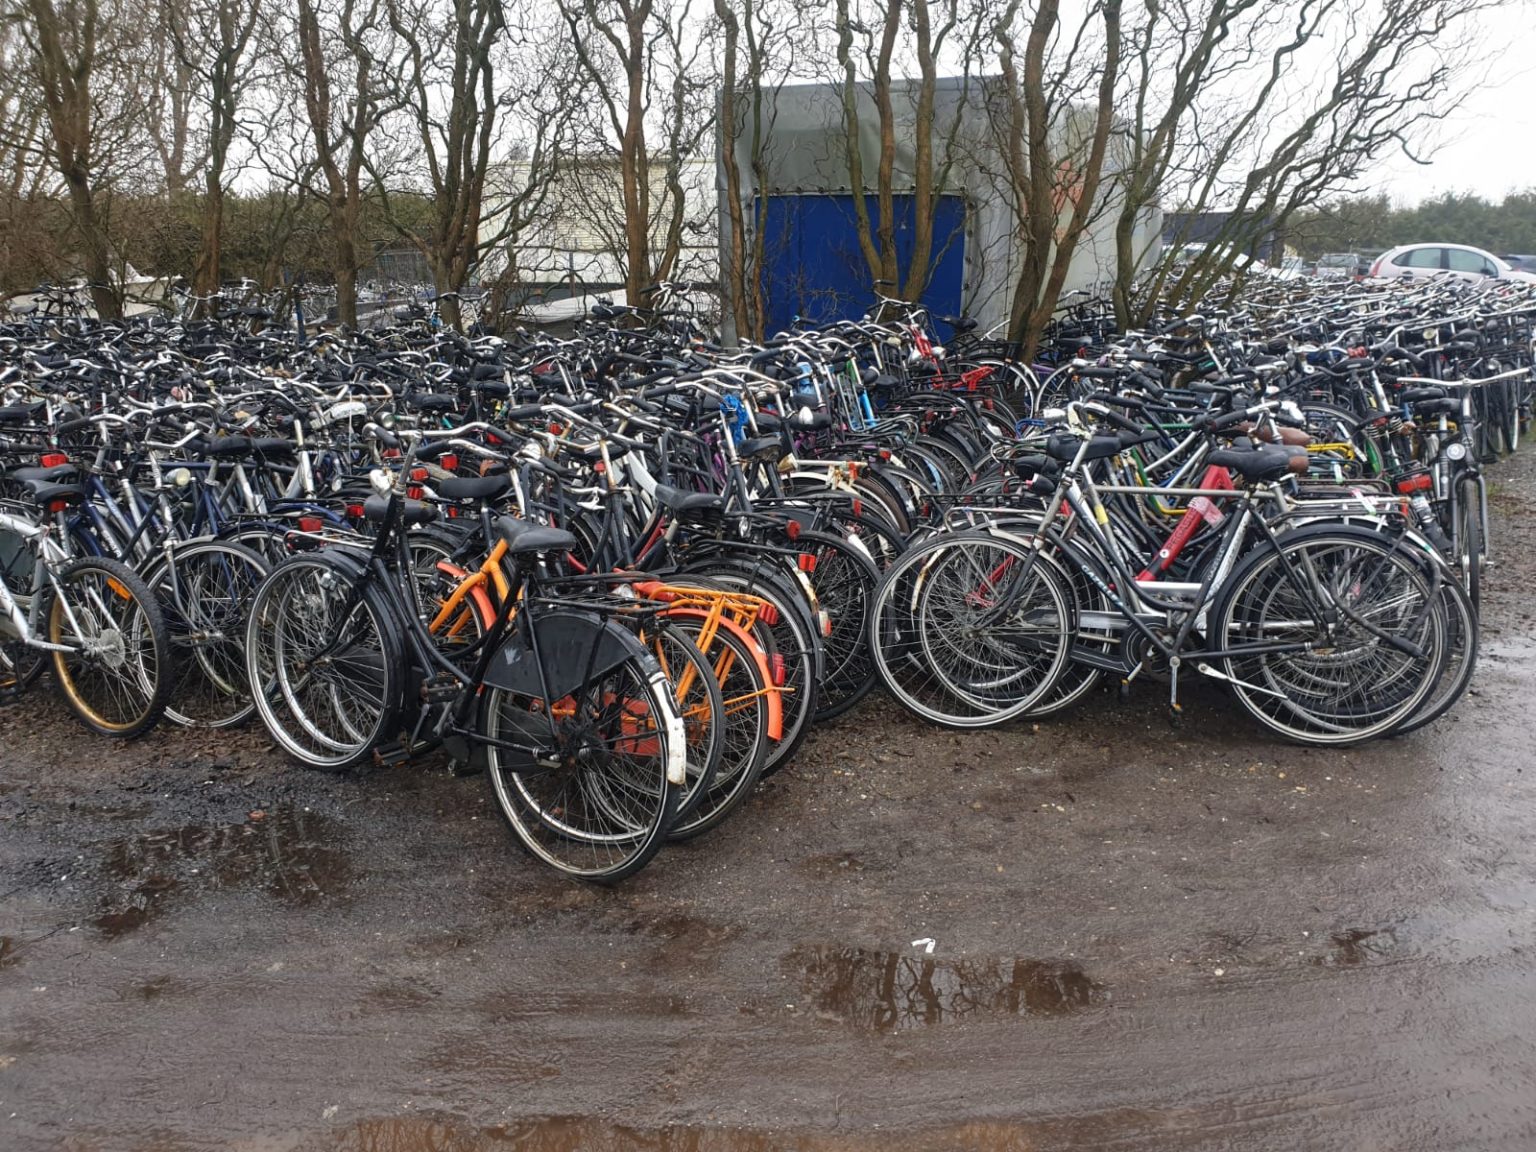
[[1489, 147]]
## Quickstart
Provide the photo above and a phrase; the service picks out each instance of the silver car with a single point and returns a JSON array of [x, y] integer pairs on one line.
[[1462, 261]]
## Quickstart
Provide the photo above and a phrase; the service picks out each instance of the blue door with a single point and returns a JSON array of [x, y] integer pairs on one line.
[[813, 269]]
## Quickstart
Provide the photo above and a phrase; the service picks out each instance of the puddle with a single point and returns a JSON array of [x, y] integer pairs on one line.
[[290, 854], [1360, 947], [896, 992], [576, 1134]]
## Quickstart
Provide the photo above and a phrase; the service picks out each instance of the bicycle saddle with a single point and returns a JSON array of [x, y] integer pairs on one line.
[[767, 447], [273, 446], [523, 536], [429, 402], [472, 487], [684, 503], [54, 474], [1065, 448], [16, 413], [1258, 465], [43, 493], [413, 511]]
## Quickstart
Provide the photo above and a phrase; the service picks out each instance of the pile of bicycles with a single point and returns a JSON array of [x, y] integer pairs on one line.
[[625, 573]]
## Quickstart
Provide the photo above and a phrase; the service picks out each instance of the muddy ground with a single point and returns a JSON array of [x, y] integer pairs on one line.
[[1142, 938]]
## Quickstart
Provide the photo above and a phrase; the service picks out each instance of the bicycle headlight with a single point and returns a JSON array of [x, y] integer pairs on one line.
[[1455, 451]]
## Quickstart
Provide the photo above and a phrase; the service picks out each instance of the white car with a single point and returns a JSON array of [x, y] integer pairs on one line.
[[1421, 261]]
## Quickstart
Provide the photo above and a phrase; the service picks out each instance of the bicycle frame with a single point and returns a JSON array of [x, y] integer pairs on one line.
[[47, 553]]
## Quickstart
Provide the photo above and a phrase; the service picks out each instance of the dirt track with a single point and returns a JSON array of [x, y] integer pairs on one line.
[[1142, 938]]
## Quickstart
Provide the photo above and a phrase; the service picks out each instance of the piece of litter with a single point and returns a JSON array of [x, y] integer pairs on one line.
[[926, 944], [1221, 971]]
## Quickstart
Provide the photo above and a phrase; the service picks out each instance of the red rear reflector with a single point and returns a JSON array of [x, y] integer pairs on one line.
[[792, 529], [53, 459], [312, 523], [807, 562], [418, 473], [57, 505], [355, 511], [450, 462], [769, 615], [413, 493], [1415, 483], [391, 453], [776, 670]]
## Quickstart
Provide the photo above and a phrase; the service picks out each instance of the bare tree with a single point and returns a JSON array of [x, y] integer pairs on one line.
[[868, 41], [210, 38], [1054, 148], [464, 82], [1273, 108], [640, 66], [169, 82], [344, 115], [73, 46]]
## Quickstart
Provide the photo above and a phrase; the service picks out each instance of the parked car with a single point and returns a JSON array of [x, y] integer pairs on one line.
[[1335, 264], [1420, 261]]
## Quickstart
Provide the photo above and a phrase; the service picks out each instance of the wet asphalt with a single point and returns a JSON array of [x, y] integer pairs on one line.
[[1097, 932]]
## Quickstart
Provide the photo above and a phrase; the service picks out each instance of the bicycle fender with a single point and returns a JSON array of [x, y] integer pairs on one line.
[[477, 595], [579, 646], [775, 700], [575, 645]]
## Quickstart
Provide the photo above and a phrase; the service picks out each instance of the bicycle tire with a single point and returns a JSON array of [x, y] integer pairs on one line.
[[701, 704], [205, 590], [613, 800], [1353, 685], [745, 730], [327, 687], [946, 591], [122, 688]]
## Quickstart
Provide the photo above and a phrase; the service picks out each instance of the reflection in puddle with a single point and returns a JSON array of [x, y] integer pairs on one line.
[[893, 992], [574, 1134], [290, 854], [1356, 947]]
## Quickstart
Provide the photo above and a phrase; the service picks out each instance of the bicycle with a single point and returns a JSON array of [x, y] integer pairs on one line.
[[581, 735]]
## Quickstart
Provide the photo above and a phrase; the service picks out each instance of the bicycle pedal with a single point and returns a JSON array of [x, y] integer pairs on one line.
[[440, 689], [392, 755]]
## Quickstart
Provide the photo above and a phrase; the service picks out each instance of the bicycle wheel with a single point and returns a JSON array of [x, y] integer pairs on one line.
[[326, 677], [204, 593], [744, 693], [699, 699], [1461, 657], [20, 666], [117, 671], [596, 802], [1373, 626], [1470, 546], [844, 580], [971, 630], [789, 633]]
